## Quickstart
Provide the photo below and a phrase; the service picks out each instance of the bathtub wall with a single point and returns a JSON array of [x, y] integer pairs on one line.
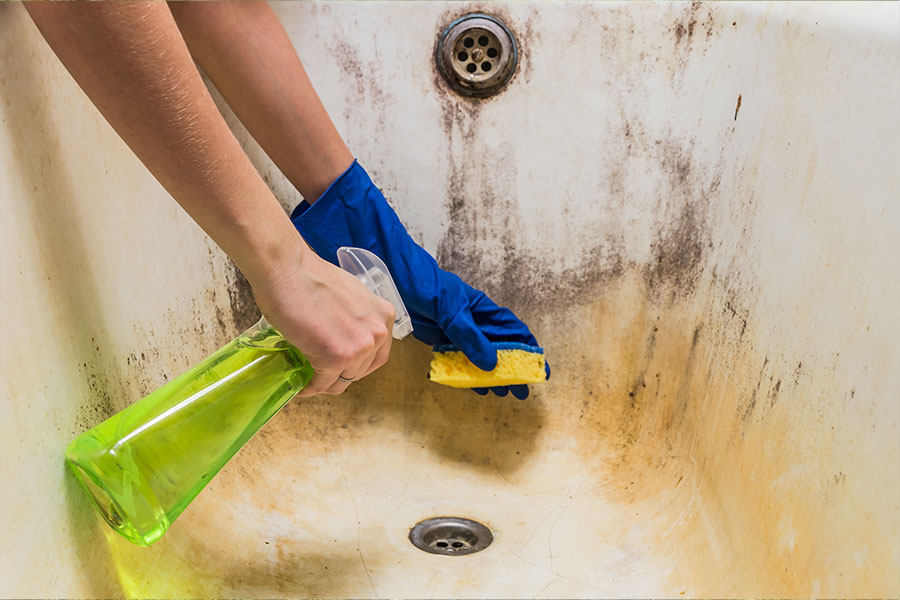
[[108, 289], [693, 206]]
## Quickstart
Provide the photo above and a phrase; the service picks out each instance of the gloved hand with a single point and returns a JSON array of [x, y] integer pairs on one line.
[[444, 309]]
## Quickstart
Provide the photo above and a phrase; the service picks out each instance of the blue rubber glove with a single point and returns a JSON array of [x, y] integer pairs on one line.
[[444, 309]]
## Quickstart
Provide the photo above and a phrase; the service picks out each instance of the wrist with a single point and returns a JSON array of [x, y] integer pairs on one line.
[[274, 258]]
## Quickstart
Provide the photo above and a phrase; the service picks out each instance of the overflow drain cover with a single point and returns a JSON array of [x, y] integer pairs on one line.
[[450, 535], [477, 55]]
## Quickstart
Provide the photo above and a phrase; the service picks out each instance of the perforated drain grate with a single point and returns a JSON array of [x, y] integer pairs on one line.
[[450, 535], [477, 55]]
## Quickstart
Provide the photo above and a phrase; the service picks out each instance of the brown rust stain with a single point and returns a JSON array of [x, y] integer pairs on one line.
[[650, 418], [683, 27], [737, 107], [658, 372], [460, 426], [666, 404], [650, 392], [653, 389], [272, 567], [695, 17]]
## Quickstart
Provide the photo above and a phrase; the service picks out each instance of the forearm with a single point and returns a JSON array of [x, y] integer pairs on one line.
[[246, 52], [130, 59]]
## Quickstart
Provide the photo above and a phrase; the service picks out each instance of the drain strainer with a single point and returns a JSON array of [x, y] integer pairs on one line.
[[450, 535], [477, 55]]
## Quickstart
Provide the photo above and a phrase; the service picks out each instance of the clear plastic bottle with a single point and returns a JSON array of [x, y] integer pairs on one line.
[[145, 464]]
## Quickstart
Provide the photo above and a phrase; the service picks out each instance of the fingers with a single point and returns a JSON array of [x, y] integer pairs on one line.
[[380, 358], [499, 322], [330, 382], [467, 336], [355, 363], [382, 350], [321, 383], [367, 366], [519, 391], [349, 365], [339, 386]]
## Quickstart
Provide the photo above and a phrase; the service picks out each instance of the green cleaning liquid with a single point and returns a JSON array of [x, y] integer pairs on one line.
[[145, 464]]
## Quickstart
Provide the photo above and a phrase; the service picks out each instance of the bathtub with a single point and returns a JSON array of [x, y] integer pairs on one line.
[[695, 208]]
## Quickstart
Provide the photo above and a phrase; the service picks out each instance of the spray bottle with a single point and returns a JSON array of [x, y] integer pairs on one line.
[[145, 464]]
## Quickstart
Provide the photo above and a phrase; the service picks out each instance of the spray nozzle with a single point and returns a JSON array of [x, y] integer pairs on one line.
[[374, 274]]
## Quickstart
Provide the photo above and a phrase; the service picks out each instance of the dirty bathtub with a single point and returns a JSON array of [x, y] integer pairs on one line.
[[695, 208]]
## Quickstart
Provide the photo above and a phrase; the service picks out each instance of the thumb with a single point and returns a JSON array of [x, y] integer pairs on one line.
[[466, 335]]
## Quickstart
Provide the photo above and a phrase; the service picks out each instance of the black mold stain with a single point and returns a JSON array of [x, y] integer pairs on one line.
[[244, 311], [363, 90], [468, 217], [459, 120], [773, 394], [483, 249], [677, 253], [679, 248], [98, 406], [734, 311], [684, 387], [99, 403], [693, 23], [748, 410], [737, 108], [640, 381]]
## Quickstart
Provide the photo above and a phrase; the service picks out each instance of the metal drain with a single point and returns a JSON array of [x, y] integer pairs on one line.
[[477, 55], [450, 535]]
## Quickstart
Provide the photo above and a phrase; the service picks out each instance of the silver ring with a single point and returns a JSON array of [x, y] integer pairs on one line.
[[345, 380]]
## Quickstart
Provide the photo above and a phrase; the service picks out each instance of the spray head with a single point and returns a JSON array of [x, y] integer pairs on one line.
[[374, 274]]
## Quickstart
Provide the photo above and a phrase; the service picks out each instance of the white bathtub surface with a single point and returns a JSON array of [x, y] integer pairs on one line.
[[694, 206]]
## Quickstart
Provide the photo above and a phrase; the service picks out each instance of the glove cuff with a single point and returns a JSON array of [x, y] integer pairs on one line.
[[354, 212], [338, 182], [344, 215]]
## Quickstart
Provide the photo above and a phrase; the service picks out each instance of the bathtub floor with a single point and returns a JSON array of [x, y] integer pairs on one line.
[[320, 503]]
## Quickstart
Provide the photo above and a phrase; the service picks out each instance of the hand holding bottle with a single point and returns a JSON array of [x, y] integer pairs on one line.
[[342, 328]]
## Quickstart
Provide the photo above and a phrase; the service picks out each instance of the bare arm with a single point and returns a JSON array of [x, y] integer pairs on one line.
[[138, 72], [131, 61], [245, 51]]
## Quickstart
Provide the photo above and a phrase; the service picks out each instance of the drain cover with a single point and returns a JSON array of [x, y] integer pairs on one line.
[[450, 535], [477, 55]]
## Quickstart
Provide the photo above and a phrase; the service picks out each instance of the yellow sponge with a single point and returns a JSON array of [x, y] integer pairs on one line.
[[516, 364]]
